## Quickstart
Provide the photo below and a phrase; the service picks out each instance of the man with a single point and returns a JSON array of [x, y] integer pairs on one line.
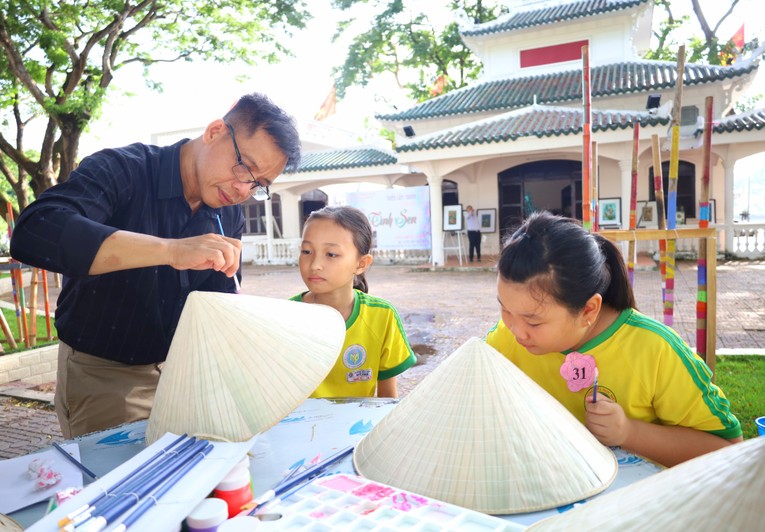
[[473, 232], [134, 230]]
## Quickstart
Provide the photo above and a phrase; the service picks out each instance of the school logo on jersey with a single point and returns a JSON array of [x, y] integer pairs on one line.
[[354, 357]]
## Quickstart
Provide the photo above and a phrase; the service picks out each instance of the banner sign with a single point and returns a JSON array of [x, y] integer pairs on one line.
[[400, 217]]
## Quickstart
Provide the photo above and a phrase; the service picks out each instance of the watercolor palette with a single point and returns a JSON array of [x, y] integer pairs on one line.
[[349, 502]]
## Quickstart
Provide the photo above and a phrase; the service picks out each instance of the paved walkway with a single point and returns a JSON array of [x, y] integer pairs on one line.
[[442, 309]]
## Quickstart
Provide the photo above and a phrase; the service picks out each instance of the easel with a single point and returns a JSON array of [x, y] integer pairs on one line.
[[455, 243]]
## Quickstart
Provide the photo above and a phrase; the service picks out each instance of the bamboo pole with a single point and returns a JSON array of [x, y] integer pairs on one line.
[[702, 296], [594, 180], [658, 187], [48, 328], [33, 290], [586, 142], [674, 161], [631, 249]]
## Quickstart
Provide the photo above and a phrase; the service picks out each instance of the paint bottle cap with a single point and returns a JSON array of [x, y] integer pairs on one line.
[[208, 514], [240, 523], [236, 478]]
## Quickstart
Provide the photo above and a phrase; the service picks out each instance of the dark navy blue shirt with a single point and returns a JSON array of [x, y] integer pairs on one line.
[[128, 316]]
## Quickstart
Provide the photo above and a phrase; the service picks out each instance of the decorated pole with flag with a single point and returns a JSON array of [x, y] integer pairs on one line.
[[631, 252], [674, 161], [704, 217], [586, 142], [658, 187], [594, 180], [328, 106]]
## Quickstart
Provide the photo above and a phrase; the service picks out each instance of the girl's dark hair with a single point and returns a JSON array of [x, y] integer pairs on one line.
[[560, 258], [355, 221], [256, 111]]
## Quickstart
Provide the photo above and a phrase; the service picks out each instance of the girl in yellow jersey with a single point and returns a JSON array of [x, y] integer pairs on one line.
[[334, 255], [569, 322]]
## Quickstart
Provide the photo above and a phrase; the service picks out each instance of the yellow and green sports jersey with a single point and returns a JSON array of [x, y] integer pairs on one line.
[[375, 349], [643, 365]]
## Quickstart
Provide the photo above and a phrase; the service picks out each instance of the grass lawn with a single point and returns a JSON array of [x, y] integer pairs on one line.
[[10, 317], [741, 377]]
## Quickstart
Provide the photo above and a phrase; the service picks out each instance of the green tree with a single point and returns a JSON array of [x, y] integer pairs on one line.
[[59, 57], [406, 43], [705, 46]]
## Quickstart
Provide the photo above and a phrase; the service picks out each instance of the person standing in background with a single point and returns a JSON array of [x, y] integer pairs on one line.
[[473, 226]]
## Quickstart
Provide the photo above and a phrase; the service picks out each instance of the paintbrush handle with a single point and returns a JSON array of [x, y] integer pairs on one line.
[[76, 462], [301, 478]]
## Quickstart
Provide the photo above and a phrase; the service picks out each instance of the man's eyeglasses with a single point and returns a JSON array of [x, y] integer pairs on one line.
[[243, 175]]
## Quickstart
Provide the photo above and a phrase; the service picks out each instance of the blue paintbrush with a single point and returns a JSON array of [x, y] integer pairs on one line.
[[76, 462], [236, 279], [127, 500], [308, 474], [151, 464], [151, 499]]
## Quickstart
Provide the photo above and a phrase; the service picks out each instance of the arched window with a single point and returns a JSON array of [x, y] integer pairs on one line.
[[310, 201], [449, 193]]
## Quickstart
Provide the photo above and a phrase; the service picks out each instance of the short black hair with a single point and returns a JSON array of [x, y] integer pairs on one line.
[[256, 111]]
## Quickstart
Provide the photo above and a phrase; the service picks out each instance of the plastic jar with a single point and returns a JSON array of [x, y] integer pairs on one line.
[[207, 515], [235, 490]]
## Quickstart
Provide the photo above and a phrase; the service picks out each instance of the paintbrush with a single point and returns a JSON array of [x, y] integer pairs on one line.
[[308, 474], [236, 279], [76, 462]]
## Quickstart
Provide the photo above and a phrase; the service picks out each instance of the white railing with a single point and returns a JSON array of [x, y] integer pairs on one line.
[[748, 241], [283, 251], [401, 256]]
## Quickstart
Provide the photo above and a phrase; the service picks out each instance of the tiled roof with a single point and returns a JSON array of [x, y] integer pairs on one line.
[[539, 121], [744, 122], [316, 161], [566, 86], [551, 15]]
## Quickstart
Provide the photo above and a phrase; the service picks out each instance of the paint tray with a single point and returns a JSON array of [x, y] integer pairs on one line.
[[350, 502]]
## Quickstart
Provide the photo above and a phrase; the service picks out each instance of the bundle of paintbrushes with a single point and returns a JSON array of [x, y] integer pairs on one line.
[[128, 499]]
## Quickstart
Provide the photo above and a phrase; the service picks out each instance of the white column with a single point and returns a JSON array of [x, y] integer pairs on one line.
[[436, 221], [269, 230], [728, 164], [290, 214]]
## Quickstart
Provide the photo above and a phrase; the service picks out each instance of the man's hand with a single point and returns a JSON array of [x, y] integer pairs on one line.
[[204, 252], [124, 250]]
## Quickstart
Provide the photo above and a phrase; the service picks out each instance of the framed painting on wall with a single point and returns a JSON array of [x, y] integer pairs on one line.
[[453, 217], [487, 219], [610, 212], [647, 216]]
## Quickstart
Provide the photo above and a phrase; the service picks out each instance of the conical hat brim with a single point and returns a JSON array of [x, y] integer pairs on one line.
[[238, 364], [479, 433], [722, 490]]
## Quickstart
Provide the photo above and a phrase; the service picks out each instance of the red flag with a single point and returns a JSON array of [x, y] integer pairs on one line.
[[738, 38], [438, 86], [328, 107]]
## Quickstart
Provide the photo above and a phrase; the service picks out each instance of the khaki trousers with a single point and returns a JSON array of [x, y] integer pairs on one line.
[[94, 394]]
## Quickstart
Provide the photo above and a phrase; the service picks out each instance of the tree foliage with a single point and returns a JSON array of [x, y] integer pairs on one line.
[[58, 59], [705, 46], [403, 40]]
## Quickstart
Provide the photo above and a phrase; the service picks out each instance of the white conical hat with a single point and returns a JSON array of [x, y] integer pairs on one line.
[[722, 490], [479, 433], [238, 364]]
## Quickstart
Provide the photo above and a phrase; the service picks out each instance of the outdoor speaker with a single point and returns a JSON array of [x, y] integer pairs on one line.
[[409, 131]]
